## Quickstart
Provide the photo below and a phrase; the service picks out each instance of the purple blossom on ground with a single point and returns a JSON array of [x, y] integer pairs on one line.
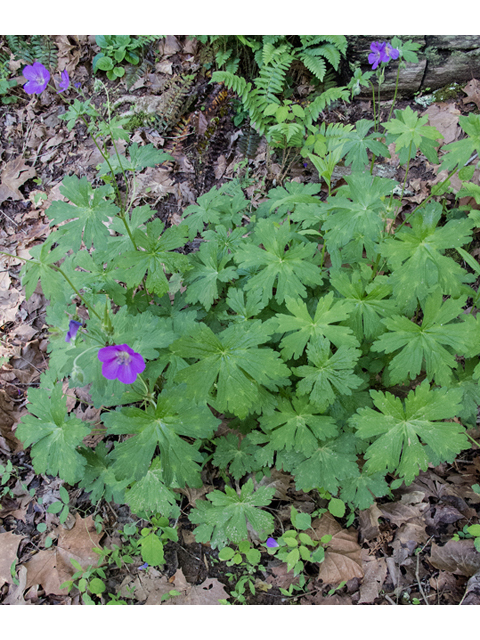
[[122, 362], [37, 76], [77, 85], [73, 327], [391, 52], [64, 82], [378, 54], [272, 543], [143, 566]]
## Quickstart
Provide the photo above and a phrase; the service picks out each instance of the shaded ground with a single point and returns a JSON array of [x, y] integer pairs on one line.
[[409, 550]]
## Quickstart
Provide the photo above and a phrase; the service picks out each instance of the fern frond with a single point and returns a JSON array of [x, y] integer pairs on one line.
[[340, 42], [315, 65], [249, 98], [328, 51], [323, 100]]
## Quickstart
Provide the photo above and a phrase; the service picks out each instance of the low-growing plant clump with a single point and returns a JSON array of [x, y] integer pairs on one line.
[[338, 341]]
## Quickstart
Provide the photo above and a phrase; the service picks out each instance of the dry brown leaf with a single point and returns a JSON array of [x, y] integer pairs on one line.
[[8, 544], [207, 593], [472, 89], [399, 513], [68, 54], [14, 174], [220, 167], [458, 556], [343, 554], [375, 574], [52, 567], [472, 594], [15, 592], [280, 577], [368, 520], [445, 118]]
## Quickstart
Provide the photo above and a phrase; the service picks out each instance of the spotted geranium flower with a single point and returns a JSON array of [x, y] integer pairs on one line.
[[122, 362], [37, 76], [272, 543], [73, 327], [64, 82], [378, 54], [391, 52]]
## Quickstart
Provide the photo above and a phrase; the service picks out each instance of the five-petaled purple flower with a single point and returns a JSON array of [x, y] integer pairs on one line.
[[382, 52], [73, 327], [391, 52], [64, 82], [378, 54], [37, 76], [272, 543], [122, 362]]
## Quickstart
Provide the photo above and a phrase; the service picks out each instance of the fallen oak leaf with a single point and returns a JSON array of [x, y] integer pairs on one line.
[[458, 556], [472, 89], [9, 545], [343, 559], [15, 173]]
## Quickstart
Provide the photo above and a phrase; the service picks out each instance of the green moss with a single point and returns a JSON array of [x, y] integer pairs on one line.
[[139, 120], [452, 90]]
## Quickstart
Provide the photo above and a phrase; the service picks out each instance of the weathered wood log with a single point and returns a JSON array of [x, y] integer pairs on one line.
[[442, 60]]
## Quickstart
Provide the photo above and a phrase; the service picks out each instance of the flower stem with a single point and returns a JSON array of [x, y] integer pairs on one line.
[[395, 94], [75, 289]]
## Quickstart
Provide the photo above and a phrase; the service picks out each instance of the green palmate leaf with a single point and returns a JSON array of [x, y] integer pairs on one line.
[[159, 257], [224, 518], [367, 301], [286, 269], [297, 426], [208, 270], [216, 207], [54, 437], [120, 244], [227, 241], [464, 380], [243, 457], [362, 490], [75, 111], [150, 495], [406, 437], [358, 142], [98, 275], [409, 132], [139, 158], [330, 374], [327, 466], [87, 215], [233, 364], [432, 345], [459, 152], [164, 427], [305, 328], [357, 215], [98, 476], [40, 268], [415, 256]]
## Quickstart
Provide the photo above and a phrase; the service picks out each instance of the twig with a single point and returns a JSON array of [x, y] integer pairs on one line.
[[417, 572], [387, 597], [13, 221]]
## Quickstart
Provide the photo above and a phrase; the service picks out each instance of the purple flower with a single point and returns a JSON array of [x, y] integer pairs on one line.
[[143, 566], [77, 85], [119, 361], [272, 543], [391, 52], [37, 76], [73, 327], [65, 81], [378, 54]]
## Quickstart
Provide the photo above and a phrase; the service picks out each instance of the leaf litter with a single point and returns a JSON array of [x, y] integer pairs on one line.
[[397, 547]]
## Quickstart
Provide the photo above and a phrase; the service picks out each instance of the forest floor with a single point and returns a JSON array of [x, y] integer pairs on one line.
[[410, 550]]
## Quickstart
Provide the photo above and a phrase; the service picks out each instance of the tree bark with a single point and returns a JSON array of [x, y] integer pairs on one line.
[[442, 60]]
